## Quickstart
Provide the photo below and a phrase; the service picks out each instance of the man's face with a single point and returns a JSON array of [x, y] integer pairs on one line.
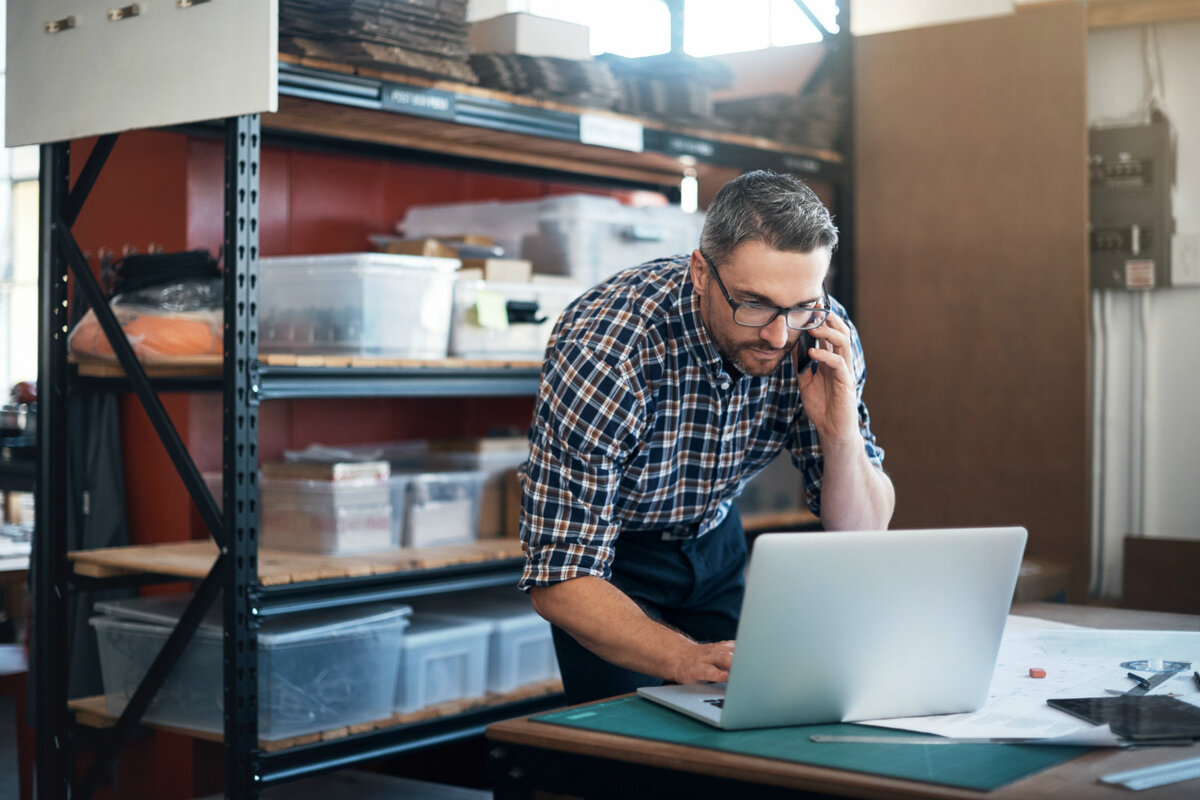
[[754, 273]]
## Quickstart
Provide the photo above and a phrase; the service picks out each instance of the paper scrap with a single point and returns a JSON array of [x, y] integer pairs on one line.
[[491, 310]]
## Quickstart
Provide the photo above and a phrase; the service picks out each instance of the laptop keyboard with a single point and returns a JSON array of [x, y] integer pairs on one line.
[[719, 702]]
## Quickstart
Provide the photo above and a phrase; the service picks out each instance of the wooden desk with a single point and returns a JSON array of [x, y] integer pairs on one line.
[[528, 757]]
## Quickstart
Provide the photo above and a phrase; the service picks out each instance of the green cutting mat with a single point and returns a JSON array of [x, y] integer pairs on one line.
[[970, 766]]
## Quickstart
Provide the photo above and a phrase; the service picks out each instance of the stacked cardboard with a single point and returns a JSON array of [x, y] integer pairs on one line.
[[812, 119], [425, 37]]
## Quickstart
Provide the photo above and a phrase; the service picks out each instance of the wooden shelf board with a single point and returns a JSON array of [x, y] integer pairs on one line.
[[210, 365], [93, 713], [367, 362], [194, 559], [618, 156], [350, 123], [156, 367]]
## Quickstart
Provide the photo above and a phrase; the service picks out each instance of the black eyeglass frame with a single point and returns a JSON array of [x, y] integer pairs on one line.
[[824, 311]]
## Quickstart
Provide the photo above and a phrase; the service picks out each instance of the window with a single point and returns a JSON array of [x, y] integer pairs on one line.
[[637, 28], [19, 290], [714, 27], [631, 28]]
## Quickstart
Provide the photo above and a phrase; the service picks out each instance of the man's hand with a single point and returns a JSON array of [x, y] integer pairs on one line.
[[829, 396], [610, 624], [705, 662]]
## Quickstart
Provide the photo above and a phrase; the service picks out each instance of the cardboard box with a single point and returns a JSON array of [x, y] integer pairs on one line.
[[326, 470], [531, 35], [512, 504], [420, 247], [482, 445], [503, 270]]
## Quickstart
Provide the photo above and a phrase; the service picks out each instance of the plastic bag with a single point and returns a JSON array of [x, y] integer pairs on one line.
[[184, 318]]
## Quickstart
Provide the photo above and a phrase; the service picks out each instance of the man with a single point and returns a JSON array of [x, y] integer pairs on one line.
[[664, 390]]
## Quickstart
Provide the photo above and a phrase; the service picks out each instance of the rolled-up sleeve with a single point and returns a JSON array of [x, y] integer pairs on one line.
[[586, 423]]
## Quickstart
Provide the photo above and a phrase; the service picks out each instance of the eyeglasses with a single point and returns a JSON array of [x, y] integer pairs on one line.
[[757, 315]]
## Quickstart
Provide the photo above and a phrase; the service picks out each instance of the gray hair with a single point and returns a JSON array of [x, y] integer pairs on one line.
[[778, 210]]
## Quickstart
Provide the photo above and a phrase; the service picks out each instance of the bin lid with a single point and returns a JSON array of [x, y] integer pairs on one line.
[[433, 626], [504, 608], [165, 611], [344, 261]]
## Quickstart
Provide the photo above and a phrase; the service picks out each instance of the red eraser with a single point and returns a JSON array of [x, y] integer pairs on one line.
[[1037, 672]]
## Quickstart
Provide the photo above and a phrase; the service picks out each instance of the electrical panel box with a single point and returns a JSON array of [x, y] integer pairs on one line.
[[1131, 171]]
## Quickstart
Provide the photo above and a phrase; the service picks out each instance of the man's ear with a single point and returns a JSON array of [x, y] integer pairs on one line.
[[699, 272]]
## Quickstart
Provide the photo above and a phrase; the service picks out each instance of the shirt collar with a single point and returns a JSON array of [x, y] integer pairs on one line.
[[696, 334]]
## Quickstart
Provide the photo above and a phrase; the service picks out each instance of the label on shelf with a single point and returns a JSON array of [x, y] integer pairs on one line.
[[802, 164], [420, 102], [688, 146], [606, 131]]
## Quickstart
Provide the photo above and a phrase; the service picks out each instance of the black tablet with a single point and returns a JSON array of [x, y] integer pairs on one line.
[[1137, 717]]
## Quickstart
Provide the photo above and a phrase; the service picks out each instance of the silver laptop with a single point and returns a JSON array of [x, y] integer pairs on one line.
[[837, 627]]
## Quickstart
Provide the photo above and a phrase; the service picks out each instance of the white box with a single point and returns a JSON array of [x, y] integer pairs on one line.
[[520, 645], [316, 672], [533, 308], [367, 304], [442, 508], [442, 660], [531, 35]]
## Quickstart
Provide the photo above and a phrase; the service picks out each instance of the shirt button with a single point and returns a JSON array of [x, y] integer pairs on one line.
[[728, 436], [725, 385]]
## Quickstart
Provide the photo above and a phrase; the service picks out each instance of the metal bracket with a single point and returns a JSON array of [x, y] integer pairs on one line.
[[255, 388], [125, 12], [59, 25]]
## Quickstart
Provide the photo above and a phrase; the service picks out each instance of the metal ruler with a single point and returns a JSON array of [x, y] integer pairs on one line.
[[856, 739], [1159, 775]]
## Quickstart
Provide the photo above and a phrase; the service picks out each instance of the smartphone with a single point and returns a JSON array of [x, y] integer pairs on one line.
[[807, 341]]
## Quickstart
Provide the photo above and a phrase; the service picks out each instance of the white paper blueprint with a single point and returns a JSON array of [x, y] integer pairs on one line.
[[1079, 662]]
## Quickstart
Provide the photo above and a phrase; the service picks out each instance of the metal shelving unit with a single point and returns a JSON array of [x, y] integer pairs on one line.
[[246, 381], [274, 383]]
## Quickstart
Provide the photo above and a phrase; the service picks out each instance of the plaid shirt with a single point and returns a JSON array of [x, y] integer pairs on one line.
[[639, 429]]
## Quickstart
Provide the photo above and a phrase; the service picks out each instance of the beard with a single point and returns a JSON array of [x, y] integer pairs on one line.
[[757, 359]]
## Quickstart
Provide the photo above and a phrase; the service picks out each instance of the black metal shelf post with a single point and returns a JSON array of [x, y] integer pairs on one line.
[[240, 456], [61, 256], [53, 770]]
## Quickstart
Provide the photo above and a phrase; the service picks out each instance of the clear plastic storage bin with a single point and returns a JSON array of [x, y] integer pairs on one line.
[[492, 466], [442, 660], [533, 308], [442, 508], [370, 304], [588, 237], [520, 645], [327, 517], [317, 672]]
